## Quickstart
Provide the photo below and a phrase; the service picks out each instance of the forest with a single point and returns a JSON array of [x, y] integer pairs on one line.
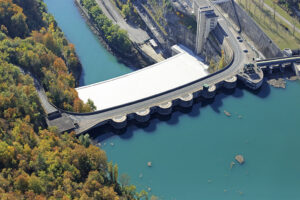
[[289, 5], [116, 37], [35, 162]]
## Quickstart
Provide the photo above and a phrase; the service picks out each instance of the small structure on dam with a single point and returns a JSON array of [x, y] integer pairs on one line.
[[183, 68], [176, 81], [252, 76], [206, 22]]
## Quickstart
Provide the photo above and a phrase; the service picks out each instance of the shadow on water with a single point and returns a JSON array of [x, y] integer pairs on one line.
[[102, 133], [81, 80]]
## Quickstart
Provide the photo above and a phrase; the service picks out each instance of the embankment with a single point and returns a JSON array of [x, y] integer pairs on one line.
[[252, 31], [134, 60]]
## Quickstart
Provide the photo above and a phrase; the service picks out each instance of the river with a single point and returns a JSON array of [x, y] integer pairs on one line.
[[191, 151]]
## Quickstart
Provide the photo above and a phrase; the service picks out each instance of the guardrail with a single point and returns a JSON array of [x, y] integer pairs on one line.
[[150, 97], [278, 60]]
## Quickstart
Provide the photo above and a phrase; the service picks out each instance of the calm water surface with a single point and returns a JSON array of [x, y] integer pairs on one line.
[[191, 152], [98, 64]]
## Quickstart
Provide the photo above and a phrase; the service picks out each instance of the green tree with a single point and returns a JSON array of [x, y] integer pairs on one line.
[[115, 173], [85, 140], [126, 10], [21, 183], [222, 61]]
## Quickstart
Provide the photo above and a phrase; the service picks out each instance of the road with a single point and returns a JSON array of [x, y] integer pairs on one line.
[[282, 18], [91, 120], [87, 122], [135, 33]]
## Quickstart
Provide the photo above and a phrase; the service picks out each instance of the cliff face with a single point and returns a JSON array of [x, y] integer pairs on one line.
[[178, 31], [178, 26], [251, 30]]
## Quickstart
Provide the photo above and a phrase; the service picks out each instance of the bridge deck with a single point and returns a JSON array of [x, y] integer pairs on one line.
[[275, 61], [171, 73]]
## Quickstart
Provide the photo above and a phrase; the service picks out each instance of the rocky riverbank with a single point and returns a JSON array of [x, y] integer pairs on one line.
[[277, 83], [279, 80]]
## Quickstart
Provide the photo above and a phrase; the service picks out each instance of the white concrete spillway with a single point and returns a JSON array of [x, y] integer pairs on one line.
[[171, 73]]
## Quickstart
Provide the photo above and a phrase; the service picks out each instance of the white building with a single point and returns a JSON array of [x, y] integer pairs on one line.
[[296, 67], [206, 22]]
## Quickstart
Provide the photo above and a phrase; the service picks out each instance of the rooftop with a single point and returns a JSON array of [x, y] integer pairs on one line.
[[202, 4]]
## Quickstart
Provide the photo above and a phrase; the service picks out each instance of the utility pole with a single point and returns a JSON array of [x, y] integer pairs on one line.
[[255, 6], [261, 7], [274, 9], [294, 25]]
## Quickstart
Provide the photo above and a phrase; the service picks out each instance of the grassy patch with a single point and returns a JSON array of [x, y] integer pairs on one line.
[[282, 12], [275, 29]]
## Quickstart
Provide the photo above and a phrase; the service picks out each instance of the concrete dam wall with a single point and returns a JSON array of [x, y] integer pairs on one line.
[[262, 42]]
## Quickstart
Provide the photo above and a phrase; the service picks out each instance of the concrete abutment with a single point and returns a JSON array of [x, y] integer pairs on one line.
[[186, 100], [165, 108], [209, 91], [142, 115], [230, 83], [119, 122]]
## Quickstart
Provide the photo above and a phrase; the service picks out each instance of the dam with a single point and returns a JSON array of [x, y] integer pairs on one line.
[[180, 69], [207, 141], [174, 81]]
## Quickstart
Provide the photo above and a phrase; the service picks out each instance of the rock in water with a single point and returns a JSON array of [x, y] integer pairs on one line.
[[228, 114], [277, 83], [141, 175], [232, 164], [240, 159]]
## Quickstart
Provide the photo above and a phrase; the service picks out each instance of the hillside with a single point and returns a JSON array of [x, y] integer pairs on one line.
[[39, 163]]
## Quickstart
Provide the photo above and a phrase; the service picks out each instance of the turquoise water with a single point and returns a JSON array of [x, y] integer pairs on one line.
[[191, 151], [98, 64]]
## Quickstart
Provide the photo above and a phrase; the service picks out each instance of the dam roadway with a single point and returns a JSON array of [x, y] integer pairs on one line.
[[87, 121]]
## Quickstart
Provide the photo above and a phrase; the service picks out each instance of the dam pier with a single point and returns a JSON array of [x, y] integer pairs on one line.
[[175, 81]]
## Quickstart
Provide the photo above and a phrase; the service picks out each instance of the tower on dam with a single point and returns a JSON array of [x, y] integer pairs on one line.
[[206, 21]]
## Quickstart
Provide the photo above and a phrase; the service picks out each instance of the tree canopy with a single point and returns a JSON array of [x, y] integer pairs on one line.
[[35, 162]]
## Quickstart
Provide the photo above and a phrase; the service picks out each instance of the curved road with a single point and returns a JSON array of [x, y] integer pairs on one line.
[[90, 120]]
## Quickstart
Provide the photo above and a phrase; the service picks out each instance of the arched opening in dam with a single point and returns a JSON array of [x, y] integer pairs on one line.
[[191, 153]]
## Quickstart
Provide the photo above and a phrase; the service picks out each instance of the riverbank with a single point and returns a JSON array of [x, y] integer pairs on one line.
[[136, 59], [204, 139]]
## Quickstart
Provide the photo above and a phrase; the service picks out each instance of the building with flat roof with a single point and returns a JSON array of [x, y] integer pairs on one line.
[[206, 22], [153, 43], [296, 67]]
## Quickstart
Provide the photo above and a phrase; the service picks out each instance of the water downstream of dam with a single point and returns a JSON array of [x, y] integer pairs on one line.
[[191, 151]]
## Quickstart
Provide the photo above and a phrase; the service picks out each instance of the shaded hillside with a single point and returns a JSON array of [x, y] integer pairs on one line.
[[39, 163]]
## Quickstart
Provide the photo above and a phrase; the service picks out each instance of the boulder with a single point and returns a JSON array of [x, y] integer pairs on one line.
[[240, 159]]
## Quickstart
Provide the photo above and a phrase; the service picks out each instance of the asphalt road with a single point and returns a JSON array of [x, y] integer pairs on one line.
[[136, 34], [88, 121]]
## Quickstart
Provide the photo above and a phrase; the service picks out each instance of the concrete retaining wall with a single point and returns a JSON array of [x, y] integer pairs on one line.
[[262, 42], [215, 43], [182, 35]]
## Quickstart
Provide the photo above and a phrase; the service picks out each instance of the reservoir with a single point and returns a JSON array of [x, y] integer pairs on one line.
[[191, 151], [98, 63]]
